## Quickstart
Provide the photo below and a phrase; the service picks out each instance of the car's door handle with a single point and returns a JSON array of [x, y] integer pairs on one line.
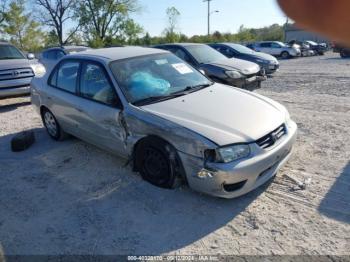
[[49, 98], [79, 109]]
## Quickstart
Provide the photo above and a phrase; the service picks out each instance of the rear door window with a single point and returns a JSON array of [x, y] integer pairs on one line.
[[67, 76]]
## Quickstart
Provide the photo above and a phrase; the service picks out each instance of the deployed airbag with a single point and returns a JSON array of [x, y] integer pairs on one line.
[[143, 85]]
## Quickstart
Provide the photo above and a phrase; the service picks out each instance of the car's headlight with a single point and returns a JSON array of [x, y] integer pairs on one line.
[[228, 154], [234, 74], [38, 69]]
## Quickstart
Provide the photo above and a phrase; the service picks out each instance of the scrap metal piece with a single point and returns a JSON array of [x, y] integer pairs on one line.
[[301, 185]]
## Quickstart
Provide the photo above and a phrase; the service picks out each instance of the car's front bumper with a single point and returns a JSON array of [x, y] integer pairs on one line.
[[270, 68], [234, 179], [15, 87], [250, 83]]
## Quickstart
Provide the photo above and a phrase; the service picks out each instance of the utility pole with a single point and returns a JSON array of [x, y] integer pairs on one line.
[[208, 15]]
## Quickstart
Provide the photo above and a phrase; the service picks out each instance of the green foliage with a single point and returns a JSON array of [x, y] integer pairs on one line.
[[105, 22], [21, 29]]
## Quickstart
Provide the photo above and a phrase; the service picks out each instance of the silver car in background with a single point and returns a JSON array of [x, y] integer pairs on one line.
[[16, 71], [169, 120], [276, 48]]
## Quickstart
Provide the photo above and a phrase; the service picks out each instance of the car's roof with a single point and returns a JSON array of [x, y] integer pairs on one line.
[[69, 47], [118, 53], [181, 44]]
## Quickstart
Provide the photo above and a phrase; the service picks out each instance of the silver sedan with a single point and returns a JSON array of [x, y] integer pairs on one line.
[[169, 120]]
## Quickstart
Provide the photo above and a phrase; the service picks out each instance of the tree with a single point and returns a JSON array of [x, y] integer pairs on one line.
[[3, 9], [170, 33], [56, 14], [21, 29], [131, 31], [102, 19]]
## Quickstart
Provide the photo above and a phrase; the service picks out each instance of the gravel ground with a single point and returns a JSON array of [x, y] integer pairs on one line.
[[72, 198]]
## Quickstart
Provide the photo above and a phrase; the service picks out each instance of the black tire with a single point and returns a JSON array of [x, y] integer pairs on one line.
[[158, 163], [285, 55], [343, 54], [52, 126]]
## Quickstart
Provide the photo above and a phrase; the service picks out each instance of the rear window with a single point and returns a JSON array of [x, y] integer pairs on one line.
[[65, 77]]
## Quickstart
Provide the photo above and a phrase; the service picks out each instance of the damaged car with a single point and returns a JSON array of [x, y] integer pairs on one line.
[[166, 118], [216, 66]]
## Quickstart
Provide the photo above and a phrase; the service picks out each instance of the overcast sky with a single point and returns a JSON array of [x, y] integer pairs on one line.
[[193, 20]]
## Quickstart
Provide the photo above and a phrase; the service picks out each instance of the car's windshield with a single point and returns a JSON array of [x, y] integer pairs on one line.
[[204, 54], [10, 52], [241, 49], [153, 78]]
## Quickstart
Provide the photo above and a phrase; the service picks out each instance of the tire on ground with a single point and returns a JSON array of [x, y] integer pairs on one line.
[[22, 141]]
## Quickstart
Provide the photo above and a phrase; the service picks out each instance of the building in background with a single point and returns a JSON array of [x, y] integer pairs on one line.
[[294, 33]]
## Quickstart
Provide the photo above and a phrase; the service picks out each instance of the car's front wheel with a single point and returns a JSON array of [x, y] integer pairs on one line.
[[285, 55], [158, 163], [52, 126]]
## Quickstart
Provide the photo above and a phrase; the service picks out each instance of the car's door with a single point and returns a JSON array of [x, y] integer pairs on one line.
[[276, 49], [266, 48], [61, 95], [99, 109]]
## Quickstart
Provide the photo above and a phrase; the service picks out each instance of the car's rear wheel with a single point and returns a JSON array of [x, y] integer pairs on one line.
[[157, 163], [285, 55], [52, 126]]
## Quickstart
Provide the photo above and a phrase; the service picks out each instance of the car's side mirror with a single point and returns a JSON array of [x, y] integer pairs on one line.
[[30, 56]]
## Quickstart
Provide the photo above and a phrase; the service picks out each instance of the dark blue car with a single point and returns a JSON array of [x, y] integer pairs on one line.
[[230, 50]]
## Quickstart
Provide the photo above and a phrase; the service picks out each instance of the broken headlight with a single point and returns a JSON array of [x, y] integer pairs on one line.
[[228, 154]]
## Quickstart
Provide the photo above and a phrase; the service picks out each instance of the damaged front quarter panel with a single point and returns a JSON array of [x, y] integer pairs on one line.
[[139, 124]]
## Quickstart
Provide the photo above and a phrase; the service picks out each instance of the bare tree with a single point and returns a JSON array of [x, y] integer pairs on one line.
[[173, 16], [56, 14]]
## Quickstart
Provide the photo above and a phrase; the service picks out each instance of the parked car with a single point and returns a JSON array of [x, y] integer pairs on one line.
[[342, 50], [320, 49], [51, 56], [303, 46], [276, 48], [16, 71], [149, 106], [216, 66], [267, 62]]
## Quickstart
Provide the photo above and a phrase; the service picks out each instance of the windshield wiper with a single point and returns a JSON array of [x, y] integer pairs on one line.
[[154, 99], [197, 87], [187, 90]]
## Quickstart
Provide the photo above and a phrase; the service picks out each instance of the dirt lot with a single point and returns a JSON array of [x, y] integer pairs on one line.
[[72, 198]]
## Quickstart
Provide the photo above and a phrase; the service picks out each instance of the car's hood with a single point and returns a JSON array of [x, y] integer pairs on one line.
[[13, 63], [264, 56], [243, 66], [223, 114]]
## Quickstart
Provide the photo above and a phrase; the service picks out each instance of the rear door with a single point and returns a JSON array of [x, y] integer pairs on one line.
[[100, 109], [61, 95]]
